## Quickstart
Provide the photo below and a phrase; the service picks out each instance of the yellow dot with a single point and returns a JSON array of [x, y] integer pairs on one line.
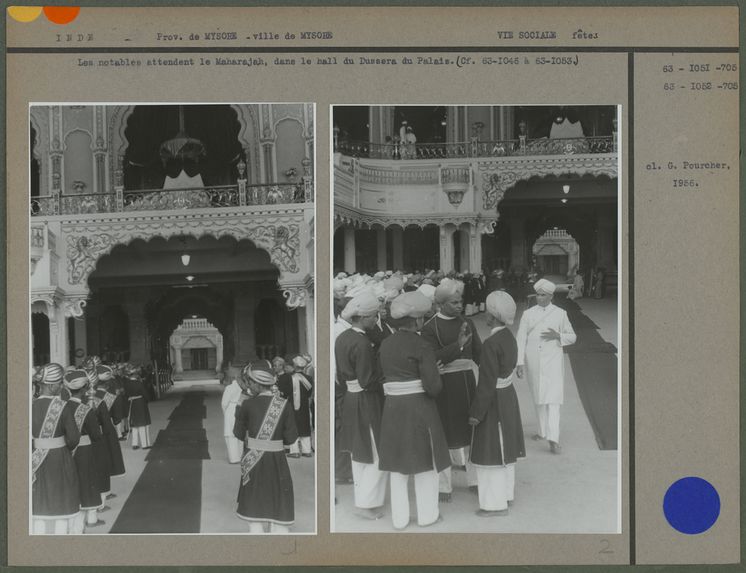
[[24, 13]]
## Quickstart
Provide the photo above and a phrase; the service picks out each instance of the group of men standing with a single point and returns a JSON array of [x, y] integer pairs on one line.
[[418, 393], [78, 418]]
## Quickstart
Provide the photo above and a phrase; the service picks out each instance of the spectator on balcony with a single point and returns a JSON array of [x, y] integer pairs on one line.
[[388, 148], [409, 141]]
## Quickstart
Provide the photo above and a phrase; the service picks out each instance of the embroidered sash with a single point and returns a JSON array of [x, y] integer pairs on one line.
[[269, 423], [51, 419], [109, 399], [299, 379], [80, 413]]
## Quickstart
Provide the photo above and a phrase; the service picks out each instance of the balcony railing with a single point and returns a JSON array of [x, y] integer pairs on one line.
[[195, 324], [238, 195], [509, 147]]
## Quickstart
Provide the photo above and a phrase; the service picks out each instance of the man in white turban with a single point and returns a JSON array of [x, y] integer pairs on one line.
[[544, 330], [457, 347], [358, 370]]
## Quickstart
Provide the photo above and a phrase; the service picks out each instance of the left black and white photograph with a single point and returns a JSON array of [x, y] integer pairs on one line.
[[172, 319]]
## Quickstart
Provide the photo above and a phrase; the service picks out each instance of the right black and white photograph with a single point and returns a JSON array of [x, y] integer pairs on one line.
[[477, 297]]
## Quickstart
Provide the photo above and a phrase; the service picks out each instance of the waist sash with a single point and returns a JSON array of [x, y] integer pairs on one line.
[[84, 441], [354, 386], [461, 365], [265, 445], [51, 418], [135, 397], [271, 419], [505, 382], [403, 388], [50, 443]]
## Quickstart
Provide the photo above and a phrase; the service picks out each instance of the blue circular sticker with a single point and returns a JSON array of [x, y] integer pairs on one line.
[[691, 505]]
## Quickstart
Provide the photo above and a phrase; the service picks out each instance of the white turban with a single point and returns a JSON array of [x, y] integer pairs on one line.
[[378, 289], [502, 306], [363, 304], [543, 286], [447, 288], [300, 361], [379, 275], [428, 290], [413, 304], [393, 283]]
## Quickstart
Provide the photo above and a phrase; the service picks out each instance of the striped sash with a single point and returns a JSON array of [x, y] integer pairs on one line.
[[271, 419], [51, 419]]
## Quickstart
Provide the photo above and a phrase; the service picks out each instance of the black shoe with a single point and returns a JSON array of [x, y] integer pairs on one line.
[[444, 497], [135, 447], [111, 496], [146, 447], [307, 455], [474, 489]]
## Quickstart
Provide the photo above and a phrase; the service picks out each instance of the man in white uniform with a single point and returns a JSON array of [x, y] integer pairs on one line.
[[543, 331], [232, 398]]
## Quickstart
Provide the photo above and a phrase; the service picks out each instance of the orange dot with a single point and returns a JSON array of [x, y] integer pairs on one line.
[[61, 14], [24, 13]]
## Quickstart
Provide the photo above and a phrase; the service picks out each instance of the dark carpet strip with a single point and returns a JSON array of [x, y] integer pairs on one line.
[[168, 496], [594, 365]]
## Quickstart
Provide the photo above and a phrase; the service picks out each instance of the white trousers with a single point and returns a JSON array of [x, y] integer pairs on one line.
[[425, 493], [548, 416], [140, 436], [496, 486], [235, 449], [369, 482], [258, 527], [61, 526], [459, 457], [301, 446]]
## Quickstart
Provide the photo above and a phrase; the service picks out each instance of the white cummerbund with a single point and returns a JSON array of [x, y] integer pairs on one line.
[[403, 388], [49, 443], [505, 382], [354, 386], [264, 445], [85, 440]]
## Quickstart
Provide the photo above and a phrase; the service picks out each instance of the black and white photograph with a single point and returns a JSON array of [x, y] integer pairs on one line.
[[476, 297], [172, 318]]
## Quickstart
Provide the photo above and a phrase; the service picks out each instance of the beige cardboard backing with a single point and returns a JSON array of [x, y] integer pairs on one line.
[[685, 242]]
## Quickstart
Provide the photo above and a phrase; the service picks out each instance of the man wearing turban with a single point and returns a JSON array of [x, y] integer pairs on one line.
[[265, 424], [495, 414], [297, 387], [357, 369], [230, 401], [544, 330], [412, 439], [457, 347], [55, 498]]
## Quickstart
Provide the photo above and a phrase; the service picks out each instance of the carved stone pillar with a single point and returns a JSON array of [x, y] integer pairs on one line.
[[446, 247], [475, 249], [381, 248], [58, 342], [308, 334], [397, 238], [219, 353], [178, 364], [349, 250], [381, 121]]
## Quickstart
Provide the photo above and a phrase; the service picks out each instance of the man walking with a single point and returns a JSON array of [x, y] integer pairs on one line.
[[544, 330]]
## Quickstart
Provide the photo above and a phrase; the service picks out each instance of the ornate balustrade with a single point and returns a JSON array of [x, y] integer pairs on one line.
[[195, 324], [173, 199], [475, 148]]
